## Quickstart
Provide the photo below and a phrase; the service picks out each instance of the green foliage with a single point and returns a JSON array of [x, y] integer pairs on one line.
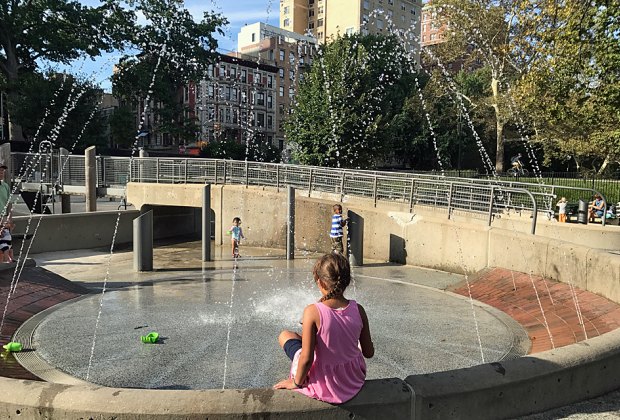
[[230, 148], [571, 91], [81, 99], [348, 102], [123, 127]]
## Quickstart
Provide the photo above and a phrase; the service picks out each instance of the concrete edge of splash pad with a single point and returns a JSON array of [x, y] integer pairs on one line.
[[495, 390]]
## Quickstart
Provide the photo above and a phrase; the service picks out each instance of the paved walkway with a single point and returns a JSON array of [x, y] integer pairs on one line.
[[554, 314], [36, 292]]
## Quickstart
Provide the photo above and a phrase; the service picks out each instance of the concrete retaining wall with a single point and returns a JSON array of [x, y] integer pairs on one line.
[[466, 244]]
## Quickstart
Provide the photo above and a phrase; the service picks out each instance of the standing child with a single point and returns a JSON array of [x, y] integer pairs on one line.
[[562, 210], [328, 358], [236, 234], [6, 246], [336, 232]]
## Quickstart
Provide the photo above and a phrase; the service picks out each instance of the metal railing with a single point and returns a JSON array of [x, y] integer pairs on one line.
[[447, 194]]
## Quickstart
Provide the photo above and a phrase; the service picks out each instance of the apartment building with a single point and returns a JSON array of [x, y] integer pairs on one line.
[[237, 100], [290, 52], [327, 19], [432, 29]]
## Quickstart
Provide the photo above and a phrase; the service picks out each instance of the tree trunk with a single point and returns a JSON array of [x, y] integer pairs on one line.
[[603, 166], [499, 156]]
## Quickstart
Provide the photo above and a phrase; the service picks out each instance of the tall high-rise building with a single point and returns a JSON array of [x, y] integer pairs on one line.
[[326, 19], [432, 29], [290, 52]]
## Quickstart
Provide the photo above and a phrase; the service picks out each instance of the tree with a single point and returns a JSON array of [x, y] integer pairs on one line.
[[54, 30], [571, 90], [169, 60], [481, 30], [82, 125], [346, 102], [63, 30]]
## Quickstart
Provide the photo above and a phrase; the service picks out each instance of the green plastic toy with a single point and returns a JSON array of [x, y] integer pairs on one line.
[[229, 232], [150, 337], [13, 346]]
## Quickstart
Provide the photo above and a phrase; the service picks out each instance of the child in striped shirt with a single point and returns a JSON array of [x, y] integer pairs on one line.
[[336, 233]]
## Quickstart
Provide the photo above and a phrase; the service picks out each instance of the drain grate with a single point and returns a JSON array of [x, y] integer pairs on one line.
[[31, 360]]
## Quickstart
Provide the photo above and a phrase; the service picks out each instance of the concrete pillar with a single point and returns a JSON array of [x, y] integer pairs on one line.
[[206, 223], [5, 158], [65, 203], [355, 238], [143, 242], [290, 225], [90, 172]]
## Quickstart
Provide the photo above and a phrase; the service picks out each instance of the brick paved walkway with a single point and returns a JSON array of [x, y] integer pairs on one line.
[[495, 287], [36, 290]]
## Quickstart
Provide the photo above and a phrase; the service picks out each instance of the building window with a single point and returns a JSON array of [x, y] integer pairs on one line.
[[413, 11], [281, 90], [287, 22], [286, 9], [269, 121], [281, 73], [282, 55], [291, 75], [233, 72], [311, 13], [235, 94], [321, 9], [311, 25], [271, 55], [364, 19], [391, 2], [244, 76], [260, 119], [228, 120], [403, 7], [260, 99], [379, 24], [350, 31], [210, 91], [281, 109], [269, 101], [366, 5], [319, 23], [269, 80], [291, 93], [253, 37], [319, 35], [390, 13], [210, 70]]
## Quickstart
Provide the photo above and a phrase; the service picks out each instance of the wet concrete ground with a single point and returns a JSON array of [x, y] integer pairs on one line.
[[219, 324], [88, 268]]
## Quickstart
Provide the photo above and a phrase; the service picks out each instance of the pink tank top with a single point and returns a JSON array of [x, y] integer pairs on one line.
[[339, 369]]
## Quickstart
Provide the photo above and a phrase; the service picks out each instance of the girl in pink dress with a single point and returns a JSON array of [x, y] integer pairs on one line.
[[328, 358]]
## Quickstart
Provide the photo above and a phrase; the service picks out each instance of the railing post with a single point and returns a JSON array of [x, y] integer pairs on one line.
[[491, 204], [90, 178], [450, 200], [374, 190], [215, 171], [342, 185], [247, 174], [411, 195], [185, 171], [278, 178], [157, 170], [225, 166], [290, 224], [310, 182]]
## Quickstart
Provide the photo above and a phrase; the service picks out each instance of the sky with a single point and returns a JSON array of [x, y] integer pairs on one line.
[[238, 13]]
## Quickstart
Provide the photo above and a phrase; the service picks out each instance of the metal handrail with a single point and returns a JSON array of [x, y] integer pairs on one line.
[[412, 189]]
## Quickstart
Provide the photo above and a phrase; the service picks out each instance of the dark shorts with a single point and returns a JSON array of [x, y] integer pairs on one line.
[[291, 347]]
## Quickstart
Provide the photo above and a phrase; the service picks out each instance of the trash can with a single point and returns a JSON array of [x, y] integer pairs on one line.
[[582, 212]]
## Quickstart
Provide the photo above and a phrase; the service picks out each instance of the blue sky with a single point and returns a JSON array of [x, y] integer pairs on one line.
[[238, 12]]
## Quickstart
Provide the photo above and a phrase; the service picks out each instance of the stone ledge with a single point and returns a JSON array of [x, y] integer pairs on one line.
[[384, 398]]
